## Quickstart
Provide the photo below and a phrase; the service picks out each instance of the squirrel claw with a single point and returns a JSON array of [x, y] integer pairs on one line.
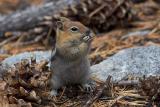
[[53, 93], [88, 87]]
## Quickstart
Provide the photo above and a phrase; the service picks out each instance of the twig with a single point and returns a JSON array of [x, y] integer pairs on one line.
[[46, 41], [37, 39], [115, 100], [101, 7], [9, 39], [155, 28], [134, 103], [62, 93], [127, 83], [99, 93], [97, 10]]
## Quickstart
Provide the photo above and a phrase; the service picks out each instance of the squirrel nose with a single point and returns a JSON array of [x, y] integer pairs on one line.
[[88, 32]]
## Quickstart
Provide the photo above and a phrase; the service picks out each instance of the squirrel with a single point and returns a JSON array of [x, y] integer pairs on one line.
[[70, 63]]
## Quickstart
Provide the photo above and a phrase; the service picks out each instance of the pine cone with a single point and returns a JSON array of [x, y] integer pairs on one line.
[[99, 15], [150, 87], [26, 84]]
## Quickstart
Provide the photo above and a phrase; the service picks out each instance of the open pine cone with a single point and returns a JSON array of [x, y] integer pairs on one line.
[[99, 15], [26, 84]]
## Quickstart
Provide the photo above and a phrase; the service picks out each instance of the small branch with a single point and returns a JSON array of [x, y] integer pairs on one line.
[[9, 39], [99, 93], [127, 83], [35, 40]]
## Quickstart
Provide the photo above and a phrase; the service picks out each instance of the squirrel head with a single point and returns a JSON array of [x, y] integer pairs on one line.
[[73, 38]]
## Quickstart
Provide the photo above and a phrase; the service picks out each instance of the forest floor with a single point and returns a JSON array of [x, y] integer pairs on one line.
[[143, 31]]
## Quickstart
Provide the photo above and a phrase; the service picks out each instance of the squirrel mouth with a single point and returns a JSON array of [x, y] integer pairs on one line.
[[88, 36]]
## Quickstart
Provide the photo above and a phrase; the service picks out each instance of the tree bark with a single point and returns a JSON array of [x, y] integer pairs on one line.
[[22, 20]]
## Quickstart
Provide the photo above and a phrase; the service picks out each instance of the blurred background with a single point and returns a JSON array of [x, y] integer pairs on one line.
[[29, 25]]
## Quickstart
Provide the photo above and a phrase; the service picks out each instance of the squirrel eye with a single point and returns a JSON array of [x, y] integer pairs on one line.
[[74, 29]]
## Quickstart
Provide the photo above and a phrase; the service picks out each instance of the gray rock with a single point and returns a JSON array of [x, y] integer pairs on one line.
[[9, 62], [136, 33], [38, 55], [136, 61]]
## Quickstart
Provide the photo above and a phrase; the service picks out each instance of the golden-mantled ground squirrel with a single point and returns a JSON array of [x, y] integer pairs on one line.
[[70, 64]]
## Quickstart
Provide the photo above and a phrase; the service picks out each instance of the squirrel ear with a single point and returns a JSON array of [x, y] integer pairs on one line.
[[63, 19], [59, 25]]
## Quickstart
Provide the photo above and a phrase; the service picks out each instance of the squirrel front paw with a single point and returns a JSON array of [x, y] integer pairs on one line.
[[53, 93], [88, 87]]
